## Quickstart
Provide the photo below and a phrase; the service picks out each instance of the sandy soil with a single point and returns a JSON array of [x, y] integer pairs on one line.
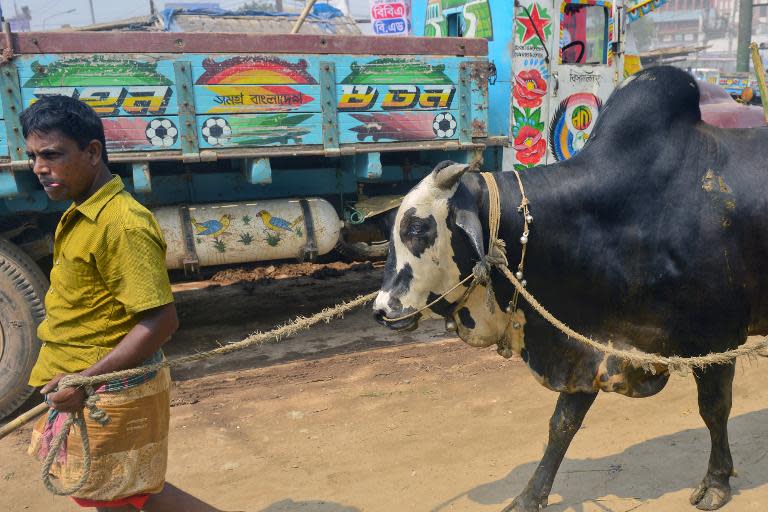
[[351, 417]]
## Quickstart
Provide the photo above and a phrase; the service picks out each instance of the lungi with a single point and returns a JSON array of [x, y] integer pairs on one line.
[[128, 455]]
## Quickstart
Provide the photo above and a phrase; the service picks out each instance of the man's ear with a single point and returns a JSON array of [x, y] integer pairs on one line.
[[95, 149]]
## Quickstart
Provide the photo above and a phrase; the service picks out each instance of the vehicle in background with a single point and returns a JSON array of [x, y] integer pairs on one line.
[[718, 108]]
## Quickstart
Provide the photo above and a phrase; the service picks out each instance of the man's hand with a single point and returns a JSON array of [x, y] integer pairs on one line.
[[67, 400]]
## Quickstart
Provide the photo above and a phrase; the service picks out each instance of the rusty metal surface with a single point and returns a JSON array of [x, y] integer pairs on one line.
[[306, 150], [137, 42]]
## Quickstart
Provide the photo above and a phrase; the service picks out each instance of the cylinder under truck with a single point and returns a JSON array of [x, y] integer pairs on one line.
[[300, 147]]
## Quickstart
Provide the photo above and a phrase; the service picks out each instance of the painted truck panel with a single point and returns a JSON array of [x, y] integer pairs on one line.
[[481, 19], [565, 69], [252, 101]]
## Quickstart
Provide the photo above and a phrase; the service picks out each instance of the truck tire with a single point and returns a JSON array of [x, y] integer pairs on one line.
[[22, 292], [363, 251], [371, 250]]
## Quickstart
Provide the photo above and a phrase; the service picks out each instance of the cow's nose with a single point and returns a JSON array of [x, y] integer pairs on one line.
[[379, 315]]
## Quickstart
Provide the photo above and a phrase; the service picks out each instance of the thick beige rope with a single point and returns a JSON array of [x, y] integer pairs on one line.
[[258, 338], [95, 414], [644, 360], [88, 383]]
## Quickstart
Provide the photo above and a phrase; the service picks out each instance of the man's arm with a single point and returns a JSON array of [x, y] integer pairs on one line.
[[152, 331]]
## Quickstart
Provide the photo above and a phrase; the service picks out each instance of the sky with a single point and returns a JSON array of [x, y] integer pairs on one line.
[[50, 14]]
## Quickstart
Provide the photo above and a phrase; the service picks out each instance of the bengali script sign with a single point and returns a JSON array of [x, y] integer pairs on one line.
[[391, 17]]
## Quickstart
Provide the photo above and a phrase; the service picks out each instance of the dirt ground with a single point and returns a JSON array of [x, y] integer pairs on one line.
[[350, 417]]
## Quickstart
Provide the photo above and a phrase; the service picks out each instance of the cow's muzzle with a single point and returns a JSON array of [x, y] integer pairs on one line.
[[406, 324]]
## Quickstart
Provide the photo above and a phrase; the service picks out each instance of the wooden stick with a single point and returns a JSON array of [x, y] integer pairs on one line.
[[23, 419], [304, 14], [760, 72]]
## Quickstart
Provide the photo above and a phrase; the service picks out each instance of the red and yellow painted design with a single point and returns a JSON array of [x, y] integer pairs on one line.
[[255, 70]]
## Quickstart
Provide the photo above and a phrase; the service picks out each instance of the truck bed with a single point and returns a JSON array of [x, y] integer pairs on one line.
[[206, 96]]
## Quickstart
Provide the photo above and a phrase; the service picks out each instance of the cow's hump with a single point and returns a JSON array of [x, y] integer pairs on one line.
[[649, 102]]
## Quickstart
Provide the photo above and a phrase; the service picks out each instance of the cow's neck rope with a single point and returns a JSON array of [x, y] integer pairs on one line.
[[497, 258]]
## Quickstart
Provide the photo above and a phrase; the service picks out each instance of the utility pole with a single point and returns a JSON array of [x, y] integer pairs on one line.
[[93, 18], [152, 11], [279, 5], [745, 35]]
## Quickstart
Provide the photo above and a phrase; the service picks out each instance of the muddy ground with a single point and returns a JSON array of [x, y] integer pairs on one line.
[[351, 417]]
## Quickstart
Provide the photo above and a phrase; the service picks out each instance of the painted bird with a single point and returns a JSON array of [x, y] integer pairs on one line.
[[276, 223], [212, 227]]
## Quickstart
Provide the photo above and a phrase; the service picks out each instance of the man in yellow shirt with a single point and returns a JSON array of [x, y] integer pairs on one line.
[[109, 308]]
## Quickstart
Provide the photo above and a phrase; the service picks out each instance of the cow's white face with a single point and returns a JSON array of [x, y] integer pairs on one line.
[[436, 240]]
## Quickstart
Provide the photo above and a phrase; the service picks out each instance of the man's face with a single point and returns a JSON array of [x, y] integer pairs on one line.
[[64, 170]]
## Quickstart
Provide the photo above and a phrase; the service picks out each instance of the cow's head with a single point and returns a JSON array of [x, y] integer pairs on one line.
[[436, 240]]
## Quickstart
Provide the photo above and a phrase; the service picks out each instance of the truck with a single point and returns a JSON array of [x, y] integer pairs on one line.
[[251, 147]]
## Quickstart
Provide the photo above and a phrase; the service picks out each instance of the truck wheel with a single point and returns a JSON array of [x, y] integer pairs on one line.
[[363, 251], [373, 245], [22, 291]]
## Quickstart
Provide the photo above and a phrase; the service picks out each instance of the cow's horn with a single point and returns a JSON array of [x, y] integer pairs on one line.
[[448, 176]]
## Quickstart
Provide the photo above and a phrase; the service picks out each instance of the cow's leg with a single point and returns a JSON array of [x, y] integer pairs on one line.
[[565, 422], [714, 385]]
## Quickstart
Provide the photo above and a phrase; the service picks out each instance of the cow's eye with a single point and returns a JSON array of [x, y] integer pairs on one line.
[[415, 228]]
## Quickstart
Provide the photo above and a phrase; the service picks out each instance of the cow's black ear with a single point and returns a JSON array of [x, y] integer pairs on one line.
[[468, 219], [446, 176]]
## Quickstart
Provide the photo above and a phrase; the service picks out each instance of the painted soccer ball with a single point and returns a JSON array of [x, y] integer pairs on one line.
[[161, 132], [216, 130], [444, 125]]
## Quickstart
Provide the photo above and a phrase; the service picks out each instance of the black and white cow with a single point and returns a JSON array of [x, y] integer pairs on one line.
[[652, 237]]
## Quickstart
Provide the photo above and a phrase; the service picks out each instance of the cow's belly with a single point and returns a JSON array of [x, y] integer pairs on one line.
[[570, 367]]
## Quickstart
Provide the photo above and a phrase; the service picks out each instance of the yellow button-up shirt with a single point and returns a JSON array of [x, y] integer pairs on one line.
[[108, 267]]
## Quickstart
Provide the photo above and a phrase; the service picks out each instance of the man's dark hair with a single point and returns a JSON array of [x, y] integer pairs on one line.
[[73, 118]]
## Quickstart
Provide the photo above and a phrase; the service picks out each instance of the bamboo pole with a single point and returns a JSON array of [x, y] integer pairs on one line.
[[304, 14], [760, 72], [23, 419]]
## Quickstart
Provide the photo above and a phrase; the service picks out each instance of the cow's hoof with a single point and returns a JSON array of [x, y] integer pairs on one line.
[[525, 503], [710, 496]]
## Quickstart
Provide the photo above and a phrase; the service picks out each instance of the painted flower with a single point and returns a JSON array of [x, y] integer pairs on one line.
[[530, 87], [529, 145]]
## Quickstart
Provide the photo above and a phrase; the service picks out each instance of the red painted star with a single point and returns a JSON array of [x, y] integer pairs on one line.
[[535, 22]]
